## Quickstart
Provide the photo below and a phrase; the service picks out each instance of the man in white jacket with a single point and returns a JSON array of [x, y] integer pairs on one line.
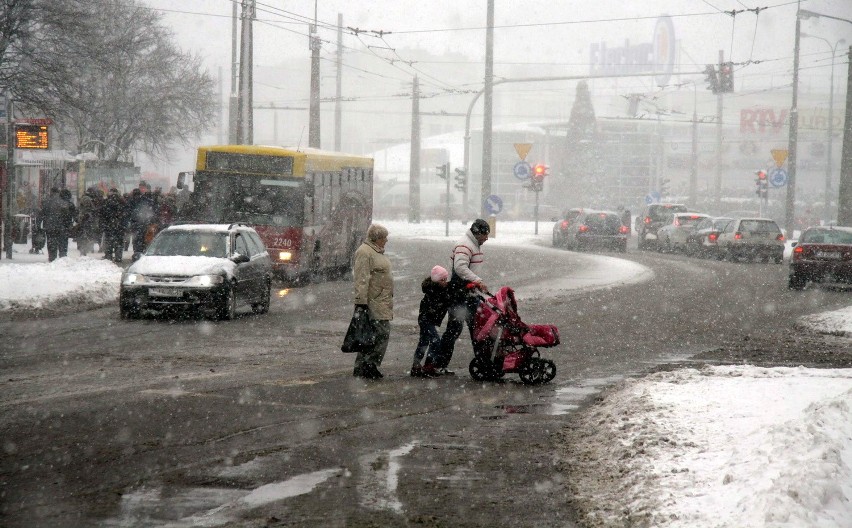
[[467, 258]]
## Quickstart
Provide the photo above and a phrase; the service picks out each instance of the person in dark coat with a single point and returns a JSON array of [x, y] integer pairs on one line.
[[88, 231], [57, 219], [433, 308], [143, 214], [113, 222]]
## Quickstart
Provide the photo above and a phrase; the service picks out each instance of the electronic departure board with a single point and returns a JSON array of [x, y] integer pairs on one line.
[[31, 137]]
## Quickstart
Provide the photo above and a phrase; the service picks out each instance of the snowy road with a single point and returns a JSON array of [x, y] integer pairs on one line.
[[182, 423]]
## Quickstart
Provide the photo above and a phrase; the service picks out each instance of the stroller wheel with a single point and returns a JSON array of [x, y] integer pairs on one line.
[[481, 369], [537, 371]]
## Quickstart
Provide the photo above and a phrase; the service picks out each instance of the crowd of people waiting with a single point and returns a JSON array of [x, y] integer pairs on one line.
[[112, 221]]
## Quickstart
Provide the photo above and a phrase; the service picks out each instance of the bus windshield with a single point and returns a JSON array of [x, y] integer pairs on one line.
[[249, 199]]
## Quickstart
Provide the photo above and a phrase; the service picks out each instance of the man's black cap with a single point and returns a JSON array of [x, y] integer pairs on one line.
[[480, 227]]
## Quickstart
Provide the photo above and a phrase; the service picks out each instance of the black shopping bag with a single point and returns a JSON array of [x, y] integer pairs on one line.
[[360, 335]]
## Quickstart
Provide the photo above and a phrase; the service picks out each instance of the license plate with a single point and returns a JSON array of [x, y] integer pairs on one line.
[[828, 255], [163, 292]]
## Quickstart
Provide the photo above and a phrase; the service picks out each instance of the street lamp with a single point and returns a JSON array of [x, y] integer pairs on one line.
[[693, 170], [830, 121]]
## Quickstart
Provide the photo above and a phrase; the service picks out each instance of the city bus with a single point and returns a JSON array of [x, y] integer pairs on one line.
[[311, 207]]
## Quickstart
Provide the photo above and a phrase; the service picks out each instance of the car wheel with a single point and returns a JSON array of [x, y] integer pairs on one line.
[[227, 310], [263, 306], [622, 247], [797, 282], [127, 312]]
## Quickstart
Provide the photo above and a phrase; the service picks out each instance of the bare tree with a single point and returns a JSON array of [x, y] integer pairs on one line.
[[112, 78]]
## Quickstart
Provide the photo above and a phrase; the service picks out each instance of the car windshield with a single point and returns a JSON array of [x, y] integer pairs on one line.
[[688, 220], [661, 212], [721, 223], [759, 226], [826, 237], [602, 221], [189, 244]]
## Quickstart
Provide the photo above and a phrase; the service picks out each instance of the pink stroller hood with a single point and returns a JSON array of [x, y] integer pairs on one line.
[[504, 303]]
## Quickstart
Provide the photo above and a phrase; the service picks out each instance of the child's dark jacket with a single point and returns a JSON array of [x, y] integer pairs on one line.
[[436, 300]]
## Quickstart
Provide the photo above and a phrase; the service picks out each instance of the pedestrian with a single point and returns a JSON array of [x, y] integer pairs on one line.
[[374, 293], [467, 259], [57, 219], [143, 215], [87, 223], [433, 308], [114, 221]]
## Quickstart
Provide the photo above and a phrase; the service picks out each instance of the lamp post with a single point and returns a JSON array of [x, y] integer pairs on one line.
[[693, 169], [826, 210]]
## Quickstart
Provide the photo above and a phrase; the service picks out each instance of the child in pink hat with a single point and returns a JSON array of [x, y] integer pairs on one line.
[[433, 308]]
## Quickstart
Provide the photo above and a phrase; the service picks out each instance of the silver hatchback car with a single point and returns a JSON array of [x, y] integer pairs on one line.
[[206, 266], [752, 238]]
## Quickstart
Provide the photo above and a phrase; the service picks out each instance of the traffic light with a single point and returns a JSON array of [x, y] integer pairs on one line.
[[712, 78], [461, 178], [762, 183], [726, 77], [539, 172], [441, 171]]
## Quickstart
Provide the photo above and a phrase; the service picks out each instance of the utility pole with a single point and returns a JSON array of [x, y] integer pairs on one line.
[[220, 129], [693, 166], [338, 118], [790, 203], [245, 124], [10, 175], [233, 98], [844, 198], [487, 122], [414, 167], [314, 112], [720, 107]]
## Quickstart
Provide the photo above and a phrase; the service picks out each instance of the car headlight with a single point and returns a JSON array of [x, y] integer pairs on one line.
[[285, 255], [205, 280], [131, 279]]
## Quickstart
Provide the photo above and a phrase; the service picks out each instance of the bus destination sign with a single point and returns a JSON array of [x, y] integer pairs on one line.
[[31, 137]]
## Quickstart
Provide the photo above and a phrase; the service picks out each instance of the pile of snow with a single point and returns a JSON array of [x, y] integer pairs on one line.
[[63, 282], [838, 322], [721, 446]]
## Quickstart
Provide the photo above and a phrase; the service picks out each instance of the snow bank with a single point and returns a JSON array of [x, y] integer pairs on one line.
[[63, 282]]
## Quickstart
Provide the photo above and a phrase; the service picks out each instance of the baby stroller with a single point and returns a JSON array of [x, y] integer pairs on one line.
[[502, 343]]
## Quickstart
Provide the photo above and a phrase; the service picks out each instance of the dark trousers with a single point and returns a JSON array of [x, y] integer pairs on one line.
[[139, 238], [461, 312], [57, 246], [429, 340], [113, 245]]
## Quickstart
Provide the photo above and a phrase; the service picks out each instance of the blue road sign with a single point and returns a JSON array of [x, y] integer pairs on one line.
[[778, 177], [493, 204], [522, 170]]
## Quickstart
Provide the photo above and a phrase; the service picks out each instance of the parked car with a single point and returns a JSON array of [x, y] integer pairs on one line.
[[651, 218], [560, 228], [752, 238], [207, 266], [703, 240], [673, 234], [597, 229], [822, 254]]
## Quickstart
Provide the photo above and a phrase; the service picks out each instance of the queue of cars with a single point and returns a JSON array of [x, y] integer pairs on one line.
[[585, 229]]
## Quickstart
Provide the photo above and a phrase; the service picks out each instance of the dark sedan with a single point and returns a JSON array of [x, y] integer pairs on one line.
[[822, 254], [561, 227], [597, 229]]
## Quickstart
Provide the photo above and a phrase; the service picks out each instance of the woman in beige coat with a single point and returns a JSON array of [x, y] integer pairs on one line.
[[374, 293]]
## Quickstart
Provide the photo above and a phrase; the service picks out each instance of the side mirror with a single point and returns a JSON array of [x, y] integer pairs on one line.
[[239, 258], [794, 244]]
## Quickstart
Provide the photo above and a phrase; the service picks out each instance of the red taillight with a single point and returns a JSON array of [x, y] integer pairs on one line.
[[798, 252], [647, 220], [712, 237], [780, 238], [582, 228], [624, 230], [677, 222], [564, 224], [694, 217], [738, 236]]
